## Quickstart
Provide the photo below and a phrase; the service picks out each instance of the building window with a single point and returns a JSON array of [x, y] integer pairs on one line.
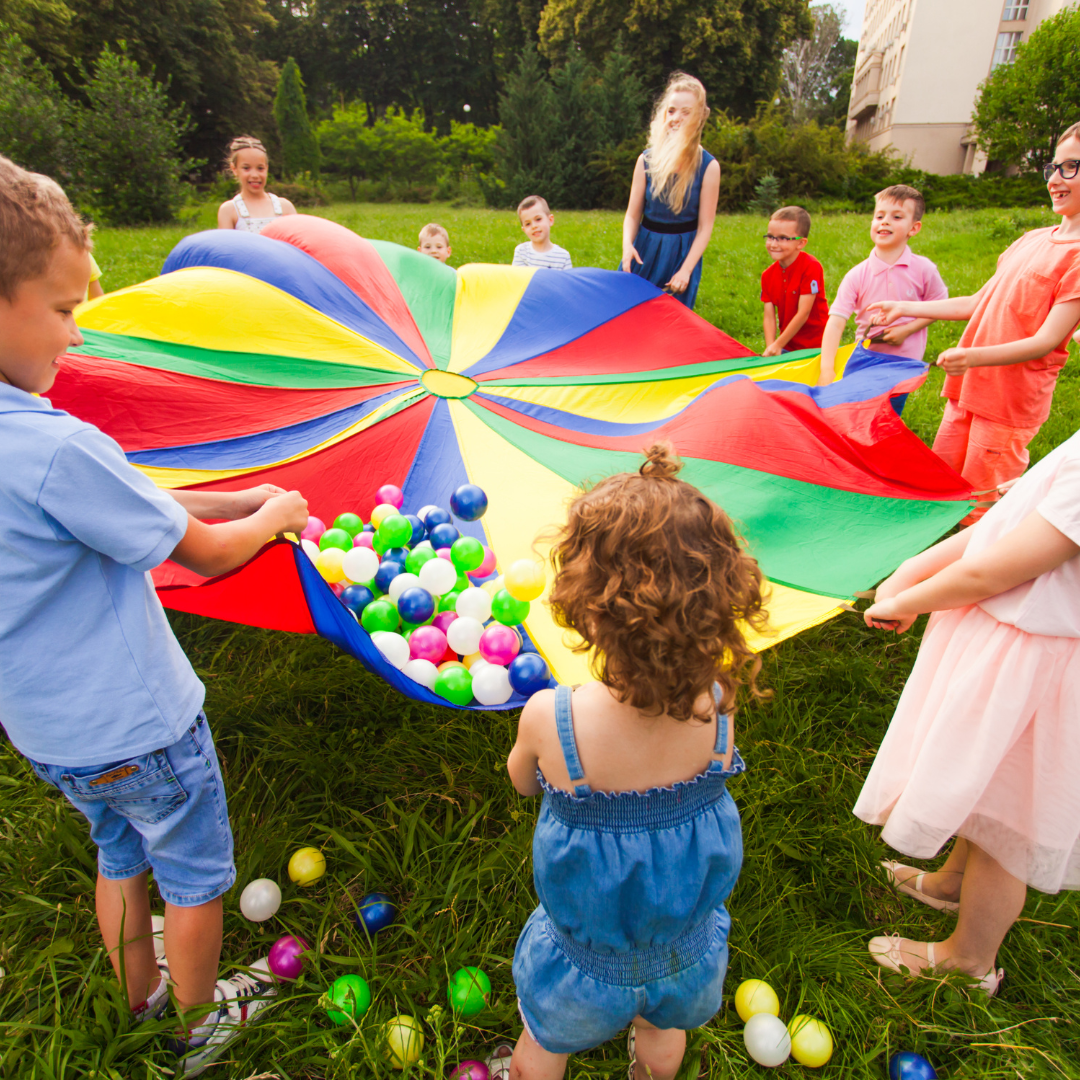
[[1005, 52], [1015, 10]]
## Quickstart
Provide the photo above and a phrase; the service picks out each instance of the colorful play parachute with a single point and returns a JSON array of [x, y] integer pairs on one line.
[[314, 359]]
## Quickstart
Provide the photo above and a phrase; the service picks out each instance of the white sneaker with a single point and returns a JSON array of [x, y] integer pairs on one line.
[[154, 1006], [238, 999]]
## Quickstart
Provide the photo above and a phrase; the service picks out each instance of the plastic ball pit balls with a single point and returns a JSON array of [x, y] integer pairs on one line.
[[313, 530], [464, 634], [444, 619], [380, 615], [418, 530], [525, 579], [364, 540], [379, 545], [499, 644], [260, 899], [466, 553], [395, 530], [908, 1065], [427, 643], [418, 557], [468, 991], [811, 1041], [310, 549], [754, 996], [284, 960], [351, 523], [375, 912], [528, 672], [360, 565], [455, 684], [437, 576], [436, 515], [767, 1040], [356, 598], [442, 535], [398, 554], [490, 683], [421, 671], [337, 538], [474, 603], [471, 1069], [394, 648], [404, 1041], [388, 570], [487, 567], [508, 610], [390, 494], [403, 582], [350, 998], [448, 601], [469, 502], [330, 564], [307, 865], [381, 511]]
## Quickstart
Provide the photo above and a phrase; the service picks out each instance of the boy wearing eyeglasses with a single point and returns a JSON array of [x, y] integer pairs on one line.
[[1000, 379], [793, 288]]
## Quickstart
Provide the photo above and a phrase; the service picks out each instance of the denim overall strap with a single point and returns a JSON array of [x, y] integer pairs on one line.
[[720, 747], [564, 721]]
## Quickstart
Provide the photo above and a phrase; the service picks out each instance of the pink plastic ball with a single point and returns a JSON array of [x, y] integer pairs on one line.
[[390, 493], [284, 959], [444, 619], [499, 644], [427, 643], [444, 553], [364, 539], [471, 1070], [486, 567], [337, 587], [313, 530]]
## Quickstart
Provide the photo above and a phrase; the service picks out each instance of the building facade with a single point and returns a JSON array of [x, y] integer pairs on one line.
[[918, 71]]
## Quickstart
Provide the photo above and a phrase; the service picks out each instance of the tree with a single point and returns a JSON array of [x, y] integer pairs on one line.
[[577, 113], [1024, 106], [622, 98], [806, 63], [299, 147], [733, 46]]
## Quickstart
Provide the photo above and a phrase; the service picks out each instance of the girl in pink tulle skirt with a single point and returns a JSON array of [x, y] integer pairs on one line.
[[985, 742]]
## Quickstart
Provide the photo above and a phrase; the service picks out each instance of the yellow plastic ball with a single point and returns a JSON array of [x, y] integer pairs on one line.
[[525, 579], [754, 996], [328, 563], [383, 510], [811, 1041], [494, 586], [450, 664], [404, 1041], [471, 659], [307, 865]]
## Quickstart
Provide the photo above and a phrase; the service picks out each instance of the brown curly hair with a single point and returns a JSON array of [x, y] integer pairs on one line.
[[651, 574]]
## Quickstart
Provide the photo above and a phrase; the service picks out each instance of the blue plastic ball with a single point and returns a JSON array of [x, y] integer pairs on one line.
[[442, 535], [376, 912], [387, 572], [908, 1065], [436, 516], [356, 597], [528, 673], [469, 502], [416, 605], [397, 555], [418, 530], [369, 527]]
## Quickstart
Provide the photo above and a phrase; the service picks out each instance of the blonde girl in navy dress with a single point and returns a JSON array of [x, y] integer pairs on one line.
[[669, 219], [638, 843]]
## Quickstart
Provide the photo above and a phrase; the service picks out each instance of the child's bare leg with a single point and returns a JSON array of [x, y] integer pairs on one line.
[[944, 884], [659, 1051], [193, 947], [532, 1062], [126, 904]]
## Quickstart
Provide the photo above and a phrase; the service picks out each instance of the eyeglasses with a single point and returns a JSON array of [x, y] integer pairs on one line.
[[1068, 170], [786, 239]]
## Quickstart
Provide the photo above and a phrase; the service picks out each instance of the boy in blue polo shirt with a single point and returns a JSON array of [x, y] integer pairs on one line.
[[94, 688]]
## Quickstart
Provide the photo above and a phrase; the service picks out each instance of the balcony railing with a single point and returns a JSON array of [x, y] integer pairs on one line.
[[866, 92]]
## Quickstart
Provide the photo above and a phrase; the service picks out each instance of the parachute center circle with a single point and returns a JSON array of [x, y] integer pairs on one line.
[[446, 384]]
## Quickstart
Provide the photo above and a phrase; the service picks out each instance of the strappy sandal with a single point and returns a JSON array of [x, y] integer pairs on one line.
[[887, 951], [498, 1061], [910, 884]]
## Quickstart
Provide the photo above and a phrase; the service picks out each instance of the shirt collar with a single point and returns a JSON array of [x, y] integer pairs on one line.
[[12, 399], [879, 266]]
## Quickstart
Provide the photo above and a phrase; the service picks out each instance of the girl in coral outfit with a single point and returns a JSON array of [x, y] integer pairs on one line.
[[985, 743]]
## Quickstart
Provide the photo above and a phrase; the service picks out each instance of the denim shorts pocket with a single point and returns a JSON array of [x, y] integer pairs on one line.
[[142, 789]]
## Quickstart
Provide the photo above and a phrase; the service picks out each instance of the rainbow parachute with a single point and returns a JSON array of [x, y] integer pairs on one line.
[[314, 359]]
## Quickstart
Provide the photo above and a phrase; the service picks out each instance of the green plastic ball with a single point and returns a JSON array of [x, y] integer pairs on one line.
[[395, 530], [380, 615], [468, 991], [507, 610], [351, 523], [379, 544], [454, 684], [416, 559], [335, 538], [449, 600], [350, 997], [462, 583], [466, 553]]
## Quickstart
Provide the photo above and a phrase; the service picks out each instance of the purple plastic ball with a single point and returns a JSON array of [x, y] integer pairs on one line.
[[284, 960], [471, 1070]]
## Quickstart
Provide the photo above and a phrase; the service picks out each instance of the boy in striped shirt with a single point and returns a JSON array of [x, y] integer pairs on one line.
[[536, 221]]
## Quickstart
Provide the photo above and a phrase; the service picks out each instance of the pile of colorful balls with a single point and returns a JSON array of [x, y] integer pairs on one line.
[[432, 599]]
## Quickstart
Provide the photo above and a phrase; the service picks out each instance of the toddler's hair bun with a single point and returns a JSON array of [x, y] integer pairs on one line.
[[660, 461]]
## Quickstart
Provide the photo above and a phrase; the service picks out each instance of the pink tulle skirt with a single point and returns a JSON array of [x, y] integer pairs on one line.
[[985, 744]]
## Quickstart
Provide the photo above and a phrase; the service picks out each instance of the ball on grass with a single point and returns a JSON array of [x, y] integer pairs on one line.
[[375, 912], [767, 1040], [404, 1041], [907, 1065], [811, 1041], [754, 996], [350, 998], [468, 991], [285, 960], [307, 865], [471, 1069], [260, 899]]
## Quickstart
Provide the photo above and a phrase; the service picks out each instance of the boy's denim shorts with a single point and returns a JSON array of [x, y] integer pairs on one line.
[[164, 810]]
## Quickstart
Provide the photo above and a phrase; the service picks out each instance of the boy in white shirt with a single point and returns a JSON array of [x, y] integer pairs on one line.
[[536, 221]]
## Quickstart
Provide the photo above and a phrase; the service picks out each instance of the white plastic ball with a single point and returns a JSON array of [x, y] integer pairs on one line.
[[491, 684], [478, 665], [400, 584], [463, 634], [423, 672], [157, 925], [422, 513], [311, 549], [438, 576], [767, 1040], [360, 564], [424, 545], [393, 647], [474, 603], [467, 108], [260, 899]]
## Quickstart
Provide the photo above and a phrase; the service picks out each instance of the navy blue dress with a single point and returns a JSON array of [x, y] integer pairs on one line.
[[665, 238]]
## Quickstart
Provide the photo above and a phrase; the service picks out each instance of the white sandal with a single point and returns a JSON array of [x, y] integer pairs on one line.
[[911, 885], [887, 951]]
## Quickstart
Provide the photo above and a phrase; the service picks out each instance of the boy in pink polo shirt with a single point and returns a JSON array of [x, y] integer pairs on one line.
[[892, 272]]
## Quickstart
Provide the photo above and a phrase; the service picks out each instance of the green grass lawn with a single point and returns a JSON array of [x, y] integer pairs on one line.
[[414, 801]]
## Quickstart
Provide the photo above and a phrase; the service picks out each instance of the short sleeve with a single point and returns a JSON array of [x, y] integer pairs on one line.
[[1061, 504], [107, 504], [1068, 286], [934, 287], [847, 296], [95, 270], [813, 281], [519, 256]]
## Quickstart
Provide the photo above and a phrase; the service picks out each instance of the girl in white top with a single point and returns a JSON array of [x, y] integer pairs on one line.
[[253, 208], [985, 742]]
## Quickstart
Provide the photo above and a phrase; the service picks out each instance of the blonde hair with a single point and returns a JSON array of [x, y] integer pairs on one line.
[[1071, 132], [35, 218], [674, 157], [432, 230], [243, 142]]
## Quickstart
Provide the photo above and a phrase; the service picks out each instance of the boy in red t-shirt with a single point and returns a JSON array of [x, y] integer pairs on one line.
[[793, 288]]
